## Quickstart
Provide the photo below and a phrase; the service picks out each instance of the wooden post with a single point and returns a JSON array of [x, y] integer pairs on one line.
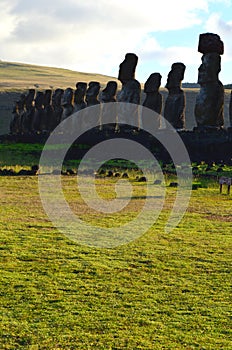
[[225, 181]]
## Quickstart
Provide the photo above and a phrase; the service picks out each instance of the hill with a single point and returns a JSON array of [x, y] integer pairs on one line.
[[18, 76]]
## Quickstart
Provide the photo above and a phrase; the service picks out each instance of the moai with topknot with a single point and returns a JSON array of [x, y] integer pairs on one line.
[[210, 100]]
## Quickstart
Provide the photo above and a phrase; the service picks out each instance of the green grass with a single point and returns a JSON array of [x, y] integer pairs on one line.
[[162, 291], [16, 155]]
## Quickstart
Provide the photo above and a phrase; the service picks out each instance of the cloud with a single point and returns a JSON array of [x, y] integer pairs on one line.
[[216, 24], [167, 15], [150, 49], [94, 35]]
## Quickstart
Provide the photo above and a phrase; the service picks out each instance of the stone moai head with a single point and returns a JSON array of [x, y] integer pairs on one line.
[[80, 92], [127, 68], [210, 68], [56, 97], [153, 83], [175, 76], [211, 46], [30, 98], [93, 92], [47, 97], [109, 93], [67, 97], [39, 100], [21, 102]]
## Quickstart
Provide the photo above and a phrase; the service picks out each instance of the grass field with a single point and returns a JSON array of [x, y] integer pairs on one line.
[[162, 291]]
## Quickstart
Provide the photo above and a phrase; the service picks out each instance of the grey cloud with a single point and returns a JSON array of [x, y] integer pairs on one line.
[[101, 13], [39, 30], [59, 10], [225, 27]]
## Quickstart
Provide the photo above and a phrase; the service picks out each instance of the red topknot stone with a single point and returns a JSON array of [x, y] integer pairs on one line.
[[209, 42]]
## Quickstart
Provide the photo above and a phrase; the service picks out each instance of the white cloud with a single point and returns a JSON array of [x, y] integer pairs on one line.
[[216, 24], [94, 35]]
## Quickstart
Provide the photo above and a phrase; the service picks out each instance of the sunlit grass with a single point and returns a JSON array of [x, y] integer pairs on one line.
[[169, 291]]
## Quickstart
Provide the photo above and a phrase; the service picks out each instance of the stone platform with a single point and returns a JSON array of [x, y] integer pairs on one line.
[[202, 145]]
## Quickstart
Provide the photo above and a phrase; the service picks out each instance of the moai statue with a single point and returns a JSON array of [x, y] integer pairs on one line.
[[18, 112], [92, 115], [109, 93], [39, 113], [230, 109], [79, 96], [174, 109], [79, 103], [109, 113], [48, 110], [15, 121], [28, 115], [67, 103], [153, 98], [210, 100], [92, 93], [130, 93], [127, 68], [57, 108]]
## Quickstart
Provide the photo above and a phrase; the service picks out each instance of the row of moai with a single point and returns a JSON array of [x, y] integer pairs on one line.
[[43, 112]]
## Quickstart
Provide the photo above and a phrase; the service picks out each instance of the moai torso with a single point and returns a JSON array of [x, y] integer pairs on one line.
[[67, 103], [79, 96], [48, 110], [57, 108], [17, 115], [109, 112], [39, 112], [130, 92], [230, 109], [174, 109], [27, 118], [153, 99], [92, 116]]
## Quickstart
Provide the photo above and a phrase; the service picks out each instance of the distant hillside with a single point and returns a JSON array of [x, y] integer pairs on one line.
[[228, 86], [190, 85], [197, 86], [20, 76]]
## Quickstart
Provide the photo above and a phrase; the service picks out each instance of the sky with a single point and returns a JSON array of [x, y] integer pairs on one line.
[[94, 36]]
